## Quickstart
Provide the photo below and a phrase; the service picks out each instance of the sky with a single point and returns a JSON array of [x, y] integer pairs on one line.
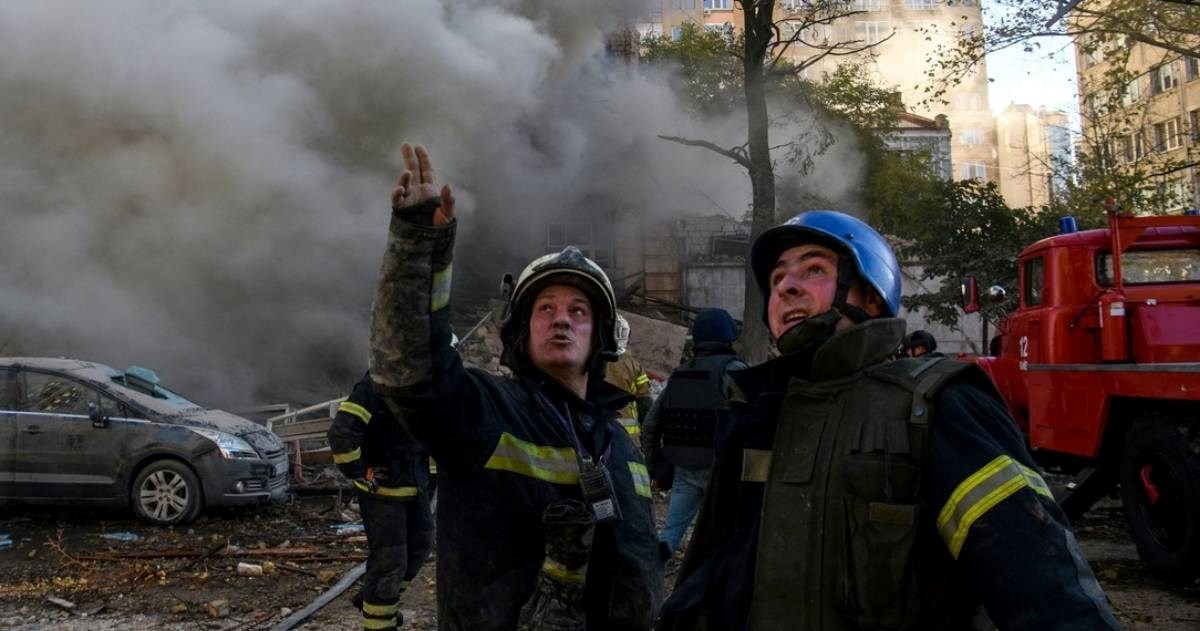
[[1044, 76]]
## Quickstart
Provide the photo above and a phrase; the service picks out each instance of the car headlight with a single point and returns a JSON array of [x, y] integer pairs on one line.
[[231, 446]]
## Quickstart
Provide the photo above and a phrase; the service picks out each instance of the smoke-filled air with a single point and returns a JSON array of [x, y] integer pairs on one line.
[[202, 187]]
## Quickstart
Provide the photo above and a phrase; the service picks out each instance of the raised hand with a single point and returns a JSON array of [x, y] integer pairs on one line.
[[417, 185]]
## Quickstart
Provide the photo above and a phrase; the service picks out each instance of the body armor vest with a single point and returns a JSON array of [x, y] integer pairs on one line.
[[692, 404], [846, 541]]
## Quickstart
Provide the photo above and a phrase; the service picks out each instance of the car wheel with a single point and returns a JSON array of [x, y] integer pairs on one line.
[[1160, 493], [166, 492]]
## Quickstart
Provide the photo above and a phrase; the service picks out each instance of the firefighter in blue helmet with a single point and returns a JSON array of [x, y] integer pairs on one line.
[[853, 492], [390, 472], [544, 516]]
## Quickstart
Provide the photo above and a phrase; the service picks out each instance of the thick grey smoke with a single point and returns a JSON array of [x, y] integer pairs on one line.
[[202, 187]]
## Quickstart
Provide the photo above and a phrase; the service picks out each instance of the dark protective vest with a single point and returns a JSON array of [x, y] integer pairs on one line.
[[846, 541], [692, 404]]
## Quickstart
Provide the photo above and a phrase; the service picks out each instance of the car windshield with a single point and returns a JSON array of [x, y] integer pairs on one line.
[[1151, 267], [144, 383]]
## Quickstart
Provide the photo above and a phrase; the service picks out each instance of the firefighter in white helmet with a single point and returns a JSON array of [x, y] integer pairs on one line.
[[627, 374]]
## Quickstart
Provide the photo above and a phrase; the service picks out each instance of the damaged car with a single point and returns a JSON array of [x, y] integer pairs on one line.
[[81, 433]]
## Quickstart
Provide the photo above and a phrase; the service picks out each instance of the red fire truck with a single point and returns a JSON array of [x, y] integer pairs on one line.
[[1100, 367]]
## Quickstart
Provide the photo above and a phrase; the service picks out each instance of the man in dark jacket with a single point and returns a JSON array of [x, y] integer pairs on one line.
[[390, 471], [682, 424], [851, 492], [544, 514]]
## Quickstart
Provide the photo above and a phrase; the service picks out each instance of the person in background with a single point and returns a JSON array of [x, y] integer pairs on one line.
[[626, 373], [390, 473], [681, 425]]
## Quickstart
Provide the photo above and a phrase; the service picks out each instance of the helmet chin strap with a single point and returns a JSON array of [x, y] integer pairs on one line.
[[846, 276]]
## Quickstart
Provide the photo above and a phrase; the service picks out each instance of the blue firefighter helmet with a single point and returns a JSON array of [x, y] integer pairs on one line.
[[872, 256]]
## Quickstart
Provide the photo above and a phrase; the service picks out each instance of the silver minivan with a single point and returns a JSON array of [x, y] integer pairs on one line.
[[76, 432]]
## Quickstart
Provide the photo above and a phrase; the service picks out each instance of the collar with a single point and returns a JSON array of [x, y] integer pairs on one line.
[[601, 395]]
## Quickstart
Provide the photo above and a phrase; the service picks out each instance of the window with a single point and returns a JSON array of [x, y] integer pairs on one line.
[[1098, 102], [689, 4], [1127, 149], [1148, 267], [1035, 282], [1163, 78], [718, 4], [8, 389], [922, 5], [1133, 91], [1139, 145], [1194, 123], [1166, 135], [970, 136], [55, 394], [973, 170], [817, 34], [676, 4], [871, 32], [1193, 67], [867, 5], [676, 33]]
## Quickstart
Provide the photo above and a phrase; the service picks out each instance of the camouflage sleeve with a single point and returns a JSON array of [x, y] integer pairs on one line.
[[407, 337], [347, 430]]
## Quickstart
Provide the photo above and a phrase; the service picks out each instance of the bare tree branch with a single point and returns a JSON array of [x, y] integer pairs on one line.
[[737, 154]]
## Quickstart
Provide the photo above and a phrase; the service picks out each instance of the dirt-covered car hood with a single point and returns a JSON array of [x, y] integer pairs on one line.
[[222, 421]]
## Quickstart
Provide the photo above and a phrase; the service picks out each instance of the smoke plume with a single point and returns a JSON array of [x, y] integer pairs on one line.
[[202, 188]]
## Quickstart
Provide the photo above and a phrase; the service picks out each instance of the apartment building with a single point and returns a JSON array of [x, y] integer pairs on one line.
[[1151, 124], [909, 32], [1033, 147]]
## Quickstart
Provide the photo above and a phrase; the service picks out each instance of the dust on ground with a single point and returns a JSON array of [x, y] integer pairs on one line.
[[162, 580]]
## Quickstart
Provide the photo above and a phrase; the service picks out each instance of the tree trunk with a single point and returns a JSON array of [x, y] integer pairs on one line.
[[758, 31]]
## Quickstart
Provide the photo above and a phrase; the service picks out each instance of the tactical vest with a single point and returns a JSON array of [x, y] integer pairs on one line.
[[692, 404], [846, 541]]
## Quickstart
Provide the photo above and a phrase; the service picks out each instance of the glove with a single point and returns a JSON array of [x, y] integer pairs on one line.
[[557, 602]]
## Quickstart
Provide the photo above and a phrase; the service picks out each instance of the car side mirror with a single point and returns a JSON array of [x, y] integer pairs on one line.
[[97, 416]]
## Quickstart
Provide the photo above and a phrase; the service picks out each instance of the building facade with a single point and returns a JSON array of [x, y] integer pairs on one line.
[[908, 33], [1147, 120], [1034, 147]]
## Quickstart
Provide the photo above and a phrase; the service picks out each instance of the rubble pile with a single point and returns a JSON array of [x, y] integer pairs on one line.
[[482, 350]]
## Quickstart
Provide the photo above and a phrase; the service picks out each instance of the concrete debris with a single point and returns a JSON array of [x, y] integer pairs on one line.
[[249, 569], [217, 608], [268, 567], [120, 536], [61, 603], [179, 608], [349, 529]]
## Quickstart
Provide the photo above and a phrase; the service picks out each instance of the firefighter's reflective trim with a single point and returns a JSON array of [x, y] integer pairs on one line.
[[349, 456], [550, 464], [641, 478], [559, 572], [380, 611], [387, 491], [439, 294], [361, 412], [631, 426], [642, 380], [976, 495], [433, 466], [378, 624], [756, 465]]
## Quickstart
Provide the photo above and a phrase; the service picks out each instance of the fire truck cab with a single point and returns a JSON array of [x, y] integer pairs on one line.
[[1100, 367]]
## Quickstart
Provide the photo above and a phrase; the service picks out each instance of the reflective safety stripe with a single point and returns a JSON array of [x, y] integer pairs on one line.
[[641, 478], [756, 465], [439, 294], [631, 426], [349, 456], [976, 495], [432, 466], [375, 624], [550, 464], [388, 491], [559, 572], [355, 409], [380, 611], [642, 380]]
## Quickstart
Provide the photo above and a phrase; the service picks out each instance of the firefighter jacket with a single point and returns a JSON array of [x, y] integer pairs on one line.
[[627, 374], [853, 493], [505, 452], [365, 434], [683, 421]]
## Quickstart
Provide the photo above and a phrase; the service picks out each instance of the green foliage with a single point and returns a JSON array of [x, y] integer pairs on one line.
[[704, 66], [959, 228]]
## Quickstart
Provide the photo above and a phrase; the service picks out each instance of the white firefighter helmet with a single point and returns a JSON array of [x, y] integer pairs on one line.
[[622, 334], [569, 267]]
